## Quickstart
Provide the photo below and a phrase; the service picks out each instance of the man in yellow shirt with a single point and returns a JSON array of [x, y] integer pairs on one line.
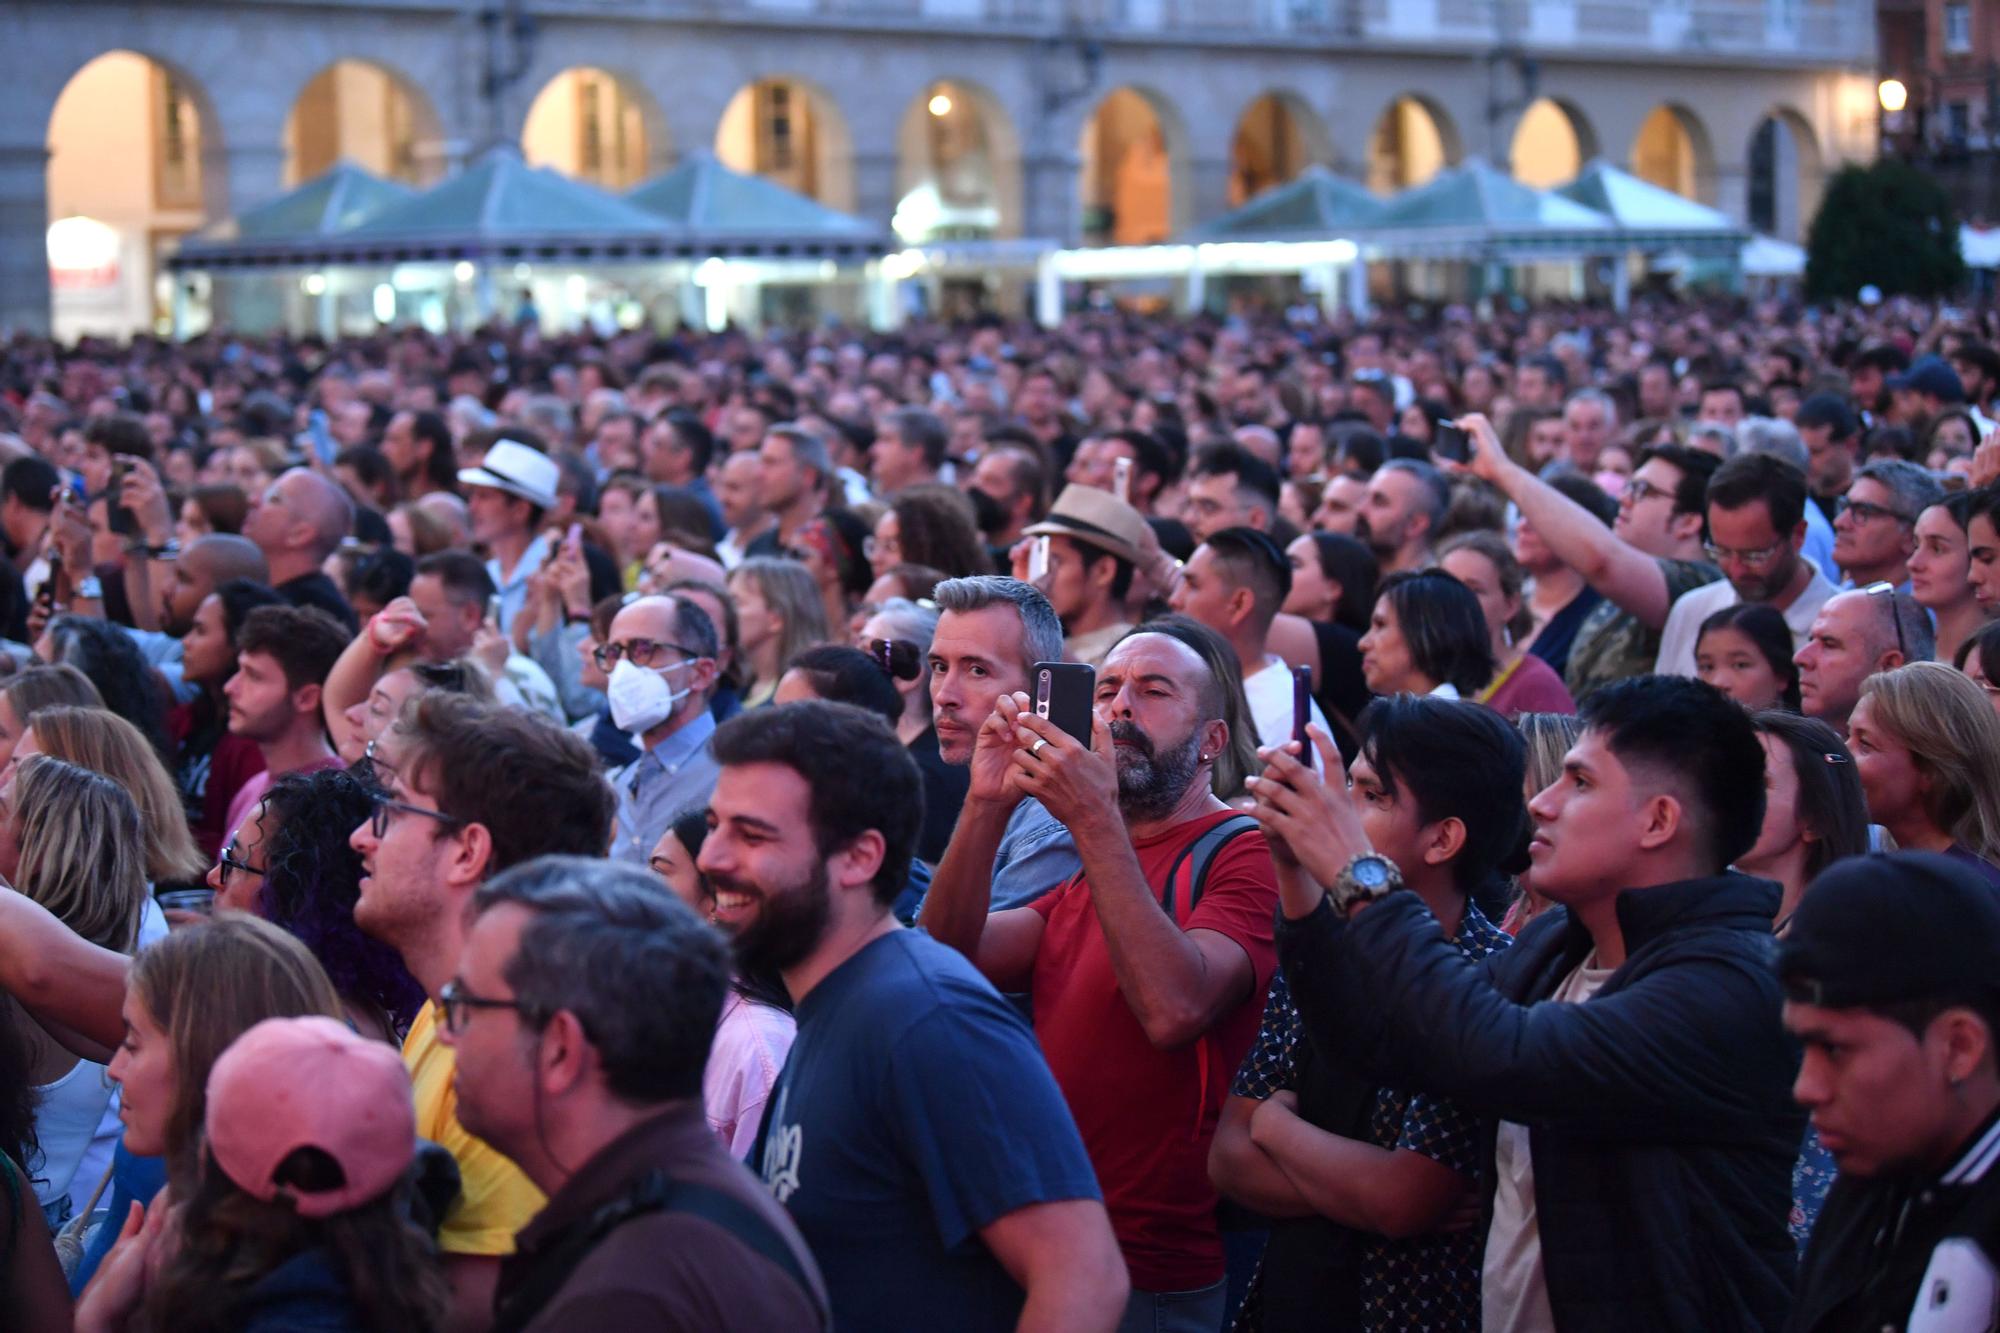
[[472, 789]]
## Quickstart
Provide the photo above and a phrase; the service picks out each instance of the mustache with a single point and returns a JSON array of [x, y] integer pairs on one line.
[[1129, 733]]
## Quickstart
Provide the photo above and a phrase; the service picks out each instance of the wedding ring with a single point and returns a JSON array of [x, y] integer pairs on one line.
[[1036, 748]]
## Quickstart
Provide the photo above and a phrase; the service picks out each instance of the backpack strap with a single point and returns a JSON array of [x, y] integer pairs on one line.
[[1195, 859], [651, 1192]]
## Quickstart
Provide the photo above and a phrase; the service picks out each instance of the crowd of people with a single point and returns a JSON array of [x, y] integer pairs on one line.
[[1468, 820]]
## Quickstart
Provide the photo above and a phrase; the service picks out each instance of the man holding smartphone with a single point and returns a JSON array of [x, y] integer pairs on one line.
[[1144, 975]]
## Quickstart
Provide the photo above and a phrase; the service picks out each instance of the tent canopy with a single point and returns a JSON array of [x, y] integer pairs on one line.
[[1313, 205], [718, 211], [1474, 212], [1651, 217], [344, 197]]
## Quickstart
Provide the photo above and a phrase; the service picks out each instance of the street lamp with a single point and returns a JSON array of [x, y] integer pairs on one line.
[[1892, 95]]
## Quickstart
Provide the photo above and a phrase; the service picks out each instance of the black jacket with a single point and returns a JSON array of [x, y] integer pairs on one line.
[[1660, 1115], [1869, 1262]]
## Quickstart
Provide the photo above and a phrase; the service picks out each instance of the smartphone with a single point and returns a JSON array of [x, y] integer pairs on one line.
[[1121, 479], [1038, 560], [493, 610], [573, 539], [1302, 686], [1063, 696], [1451, 443], [121, 518]]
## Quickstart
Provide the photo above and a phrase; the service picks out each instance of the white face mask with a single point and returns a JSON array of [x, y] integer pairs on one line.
[[640, 697]]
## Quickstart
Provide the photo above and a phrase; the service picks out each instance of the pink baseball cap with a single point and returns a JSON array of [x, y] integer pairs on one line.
[[291, 1083]]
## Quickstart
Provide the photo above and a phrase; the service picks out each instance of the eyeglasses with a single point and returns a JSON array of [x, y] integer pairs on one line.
[[643, 652], [1762, 555], [230, 860], [1895, 613], [378, 818], [458, 1003], [1638, 490], [1863, 511]]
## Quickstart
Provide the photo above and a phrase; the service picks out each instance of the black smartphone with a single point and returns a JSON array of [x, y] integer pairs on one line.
[[1063, 696], [121, 519], [1451, 443], [1302, 687]]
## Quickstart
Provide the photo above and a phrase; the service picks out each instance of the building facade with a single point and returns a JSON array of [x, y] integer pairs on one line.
[[1079, 121]]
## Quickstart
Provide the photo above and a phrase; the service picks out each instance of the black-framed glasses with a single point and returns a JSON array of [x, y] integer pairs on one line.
[[642, 652], [1864, 511], [458, 1003], [229, 861], [1888, 590], [378, 818]]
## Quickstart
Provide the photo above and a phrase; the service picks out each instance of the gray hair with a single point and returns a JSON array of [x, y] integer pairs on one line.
[[1911, 628], [808, 449], [477, 415], [1599, 399], [1041, 631], [922, 428], [640, 971], [1773, 435], [1914, 487], [1435, 486], [908, 620], [1714, 430], [551, 416]]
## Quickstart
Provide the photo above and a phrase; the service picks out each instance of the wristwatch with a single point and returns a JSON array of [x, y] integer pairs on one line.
[[1364, 879]]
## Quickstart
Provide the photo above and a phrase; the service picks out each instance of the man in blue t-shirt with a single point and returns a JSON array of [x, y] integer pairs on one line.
[[916, 1135]]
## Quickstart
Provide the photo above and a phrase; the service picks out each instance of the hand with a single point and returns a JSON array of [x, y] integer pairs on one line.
[[1017, 561], [569, 576], [69, 529], [1318, 824], [1155, 566], [1077, 783], [396, 626], [1986, 461], [120, 1283], [143, 494], [1487, 460], [993, 778], [1270, 1115], [489, 649]]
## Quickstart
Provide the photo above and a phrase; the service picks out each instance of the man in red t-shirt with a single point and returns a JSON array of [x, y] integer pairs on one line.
[[1143, 1013]]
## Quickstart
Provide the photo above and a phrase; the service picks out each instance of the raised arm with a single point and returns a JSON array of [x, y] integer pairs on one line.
[[1622, 572], [366, 660], [60, 977]]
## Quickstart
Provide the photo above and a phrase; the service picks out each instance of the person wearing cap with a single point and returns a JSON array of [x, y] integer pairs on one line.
[[1094, 546], [507, 494], [298, 522], [1234, 583], [1832, 436], [581, 1012], [1890, 986], [1928, 387], [300, 1220]]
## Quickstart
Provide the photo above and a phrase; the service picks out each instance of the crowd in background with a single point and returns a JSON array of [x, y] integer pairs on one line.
[[466, 797]]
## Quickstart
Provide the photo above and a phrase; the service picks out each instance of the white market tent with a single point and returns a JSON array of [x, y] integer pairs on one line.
[[1653, 219]]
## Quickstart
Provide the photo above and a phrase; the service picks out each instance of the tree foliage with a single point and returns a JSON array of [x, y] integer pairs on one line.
[[1887, 224]]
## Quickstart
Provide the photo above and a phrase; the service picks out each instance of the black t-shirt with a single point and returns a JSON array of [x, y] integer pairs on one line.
[[945, 786], [317, 590]]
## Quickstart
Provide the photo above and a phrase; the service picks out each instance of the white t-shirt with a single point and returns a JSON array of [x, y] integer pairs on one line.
[[1513, 1289], [1683, 627], [1269, 694]]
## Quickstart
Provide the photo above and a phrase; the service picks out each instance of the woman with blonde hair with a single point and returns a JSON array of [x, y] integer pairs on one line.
[[779, 615], [1549, 737], [1926, 746], [26, 693], [103, 742], [70, 841]]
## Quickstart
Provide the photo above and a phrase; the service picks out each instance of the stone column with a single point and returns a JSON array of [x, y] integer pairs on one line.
[[875, 187], [1202, 194], [24, 226], [1051, 205], [245, 175]]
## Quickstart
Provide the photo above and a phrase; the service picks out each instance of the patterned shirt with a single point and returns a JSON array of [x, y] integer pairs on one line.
[[1428, 1282], [1612, 644]]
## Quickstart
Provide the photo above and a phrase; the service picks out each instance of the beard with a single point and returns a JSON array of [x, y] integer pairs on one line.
[[1152, 780], [1384, 544], [789, 923]]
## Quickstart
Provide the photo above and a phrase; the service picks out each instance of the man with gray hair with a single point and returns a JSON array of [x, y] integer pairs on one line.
[[1856, 634], [1407, 500], [1875, 523], [650, 1223], [909, 450], [990, 633], [796, 479], [661, 657], [1590, 419]]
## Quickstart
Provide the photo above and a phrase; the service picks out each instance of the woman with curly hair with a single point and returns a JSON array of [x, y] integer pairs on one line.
[[108, 656], [930, 525], [292, 865]]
